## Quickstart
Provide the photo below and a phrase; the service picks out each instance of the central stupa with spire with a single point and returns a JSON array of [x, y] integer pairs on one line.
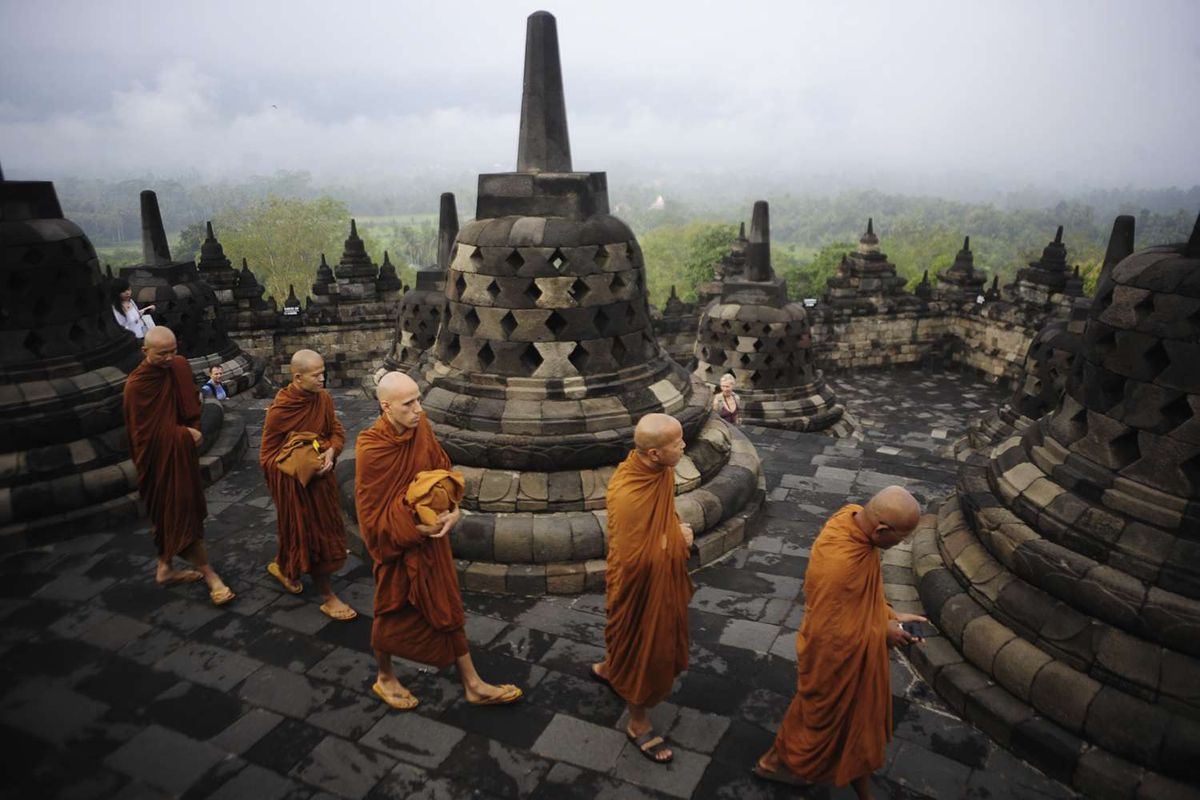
[[546, 359]]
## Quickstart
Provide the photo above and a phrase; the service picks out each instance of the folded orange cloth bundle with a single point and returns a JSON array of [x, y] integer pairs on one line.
[[434, 491], [300, 456]]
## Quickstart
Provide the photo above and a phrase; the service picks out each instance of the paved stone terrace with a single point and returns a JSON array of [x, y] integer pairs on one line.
[[112, 687]]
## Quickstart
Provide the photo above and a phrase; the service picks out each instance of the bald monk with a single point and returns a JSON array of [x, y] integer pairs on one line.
[[418, 607], [840, 721], [162, 416], [311, 534], [648, 588]]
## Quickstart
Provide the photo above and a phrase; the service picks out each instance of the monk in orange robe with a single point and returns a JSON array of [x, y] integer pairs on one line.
[[312, 536], [162, 417], [648, 588], [418, 606], [840, 721]]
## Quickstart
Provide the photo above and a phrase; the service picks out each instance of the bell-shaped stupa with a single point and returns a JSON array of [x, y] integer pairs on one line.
[[545, 361], [755, 334], [1064, 574]]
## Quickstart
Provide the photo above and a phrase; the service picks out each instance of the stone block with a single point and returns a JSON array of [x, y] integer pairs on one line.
[[1017, 665], [955, 614], [955, 682], [1052, 749], [1129, 659], [996, 712], [565, 578], [1127, 726], [1100, 774], [552, 539], [1063, 694], [595, 571], [513, 538], [983, 637], [485, 577], [526, 579]]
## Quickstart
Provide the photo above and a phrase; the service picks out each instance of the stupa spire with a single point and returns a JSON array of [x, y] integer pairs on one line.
[[155, 249], [447, 229], [544, 144], [758, 253]]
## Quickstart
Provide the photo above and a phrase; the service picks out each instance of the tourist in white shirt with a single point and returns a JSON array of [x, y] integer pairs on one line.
[[133, 319]]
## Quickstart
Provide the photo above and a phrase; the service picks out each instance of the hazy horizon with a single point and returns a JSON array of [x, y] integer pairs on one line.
[[918, 98]]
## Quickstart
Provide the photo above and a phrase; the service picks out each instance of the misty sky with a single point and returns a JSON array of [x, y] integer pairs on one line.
[[1087, 94]]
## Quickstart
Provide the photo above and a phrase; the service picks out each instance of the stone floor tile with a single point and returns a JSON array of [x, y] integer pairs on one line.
[[284, 692], [748, 635], [525, 644], [567, 782], [194, 710], [209, 665], [245, 732], [577, 696], [927, 772], [164, 759], [282, 747], [496, 769], [677, 778], [255, 783], [351, 669], [50, 710], [518, 725], [698, 731], [569, 656], [343, 768], [348, 714], [413, 738], [482, 630], [580, 743], [114, 632]]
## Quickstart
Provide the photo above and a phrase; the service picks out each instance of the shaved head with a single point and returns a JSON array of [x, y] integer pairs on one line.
[[159, 337], [659, 440], [399, 400], [896, 508], [395, 385], [160, 346], [655, 430], [305, 360], [889, 517]]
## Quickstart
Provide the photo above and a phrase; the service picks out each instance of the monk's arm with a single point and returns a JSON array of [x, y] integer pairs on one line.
[[337, 435]]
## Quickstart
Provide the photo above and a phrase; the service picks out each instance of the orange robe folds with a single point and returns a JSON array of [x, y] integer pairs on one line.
[[840, 721], [160, 404], [648, 588], [418, 606], [312, 536]]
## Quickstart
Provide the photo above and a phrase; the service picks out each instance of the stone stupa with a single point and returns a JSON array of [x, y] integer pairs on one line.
[[545, 361], [64, 453], [961, 282], [423, 306], [184, 302], [1064, 574], [754, 333]]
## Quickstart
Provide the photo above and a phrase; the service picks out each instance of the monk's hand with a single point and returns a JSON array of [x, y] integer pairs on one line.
[[326, 461], [450, 520], [196, 436], [897, 636], [688, 535]]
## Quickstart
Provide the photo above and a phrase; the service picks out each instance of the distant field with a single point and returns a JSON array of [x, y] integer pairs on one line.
[[398, 219]]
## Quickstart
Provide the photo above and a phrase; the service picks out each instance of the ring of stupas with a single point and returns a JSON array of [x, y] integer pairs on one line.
[[1052, 439]]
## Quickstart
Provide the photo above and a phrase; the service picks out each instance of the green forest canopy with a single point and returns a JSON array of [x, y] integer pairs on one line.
[[281, 225]]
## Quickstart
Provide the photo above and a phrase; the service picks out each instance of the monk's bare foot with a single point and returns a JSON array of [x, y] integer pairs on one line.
[[166, 576], [335, 608], [653, 746], [485, 694], [600, 670]]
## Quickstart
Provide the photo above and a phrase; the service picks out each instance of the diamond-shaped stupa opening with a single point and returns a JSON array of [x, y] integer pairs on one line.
[[487, 356], [556, 323], [515, 260], [531, 358], [508, 324]]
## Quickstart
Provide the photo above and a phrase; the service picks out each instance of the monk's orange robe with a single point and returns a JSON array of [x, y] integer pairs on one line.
[[160, 404], [418, 605], [840, 721], [648, 588], [312, 536]]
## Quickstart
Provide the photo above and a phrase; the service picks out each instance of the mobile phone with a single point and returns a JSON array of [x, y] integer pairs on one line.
[[919, 630]]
